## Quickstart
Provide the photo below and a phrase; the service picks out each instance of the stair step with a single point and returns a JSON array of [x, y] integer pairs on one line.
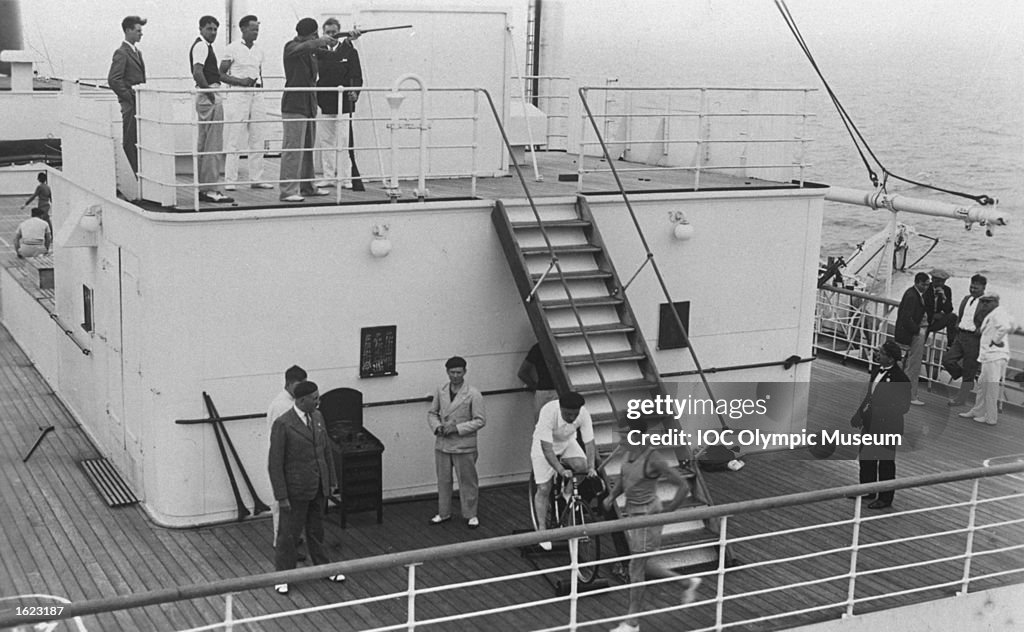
[[557, 223], [618, 356], [561, 249], [593, 301], [580, 275], [596, 387], [615, 328]]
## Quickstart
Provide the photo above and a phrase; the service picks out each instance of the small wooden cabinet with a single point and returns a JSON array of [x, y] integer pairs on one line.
[[360, 480]]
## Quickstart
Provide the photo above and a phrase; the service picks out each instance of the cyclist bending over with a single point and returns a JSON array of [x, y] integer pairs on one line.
[[554, 443]]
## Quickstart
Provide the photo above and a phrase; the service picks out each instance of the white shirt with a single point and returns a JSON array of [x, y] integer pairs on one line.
[[33, 231], [133, 46], [969, 308], [279, 406], [246, 62], [553, 429]]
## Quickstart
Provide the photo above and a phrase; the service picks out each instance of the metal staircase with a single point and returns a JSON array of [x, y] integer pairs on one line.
[[590, 339]]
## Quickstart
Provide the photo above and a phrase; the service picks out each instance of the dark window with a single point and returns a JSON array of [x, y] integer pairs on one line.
[[377, 351], [87, 308], [669, 336]]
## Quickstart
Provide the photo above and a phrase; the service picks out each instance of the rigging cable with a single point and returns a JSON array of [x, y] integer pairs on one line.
[[858, 139]]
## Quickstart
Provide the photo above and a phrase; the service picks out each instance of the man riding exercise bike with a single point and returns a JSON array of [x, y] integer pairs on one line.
[[554, 447]]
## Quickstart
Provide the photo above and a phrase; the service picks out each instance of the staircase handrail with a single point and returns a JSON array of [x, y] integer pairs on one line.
[[650, 257]]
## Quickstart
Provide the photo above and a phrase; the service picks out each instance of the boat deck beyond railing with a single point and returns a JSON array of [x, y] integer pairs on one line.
[[853, 324], [963, 545]]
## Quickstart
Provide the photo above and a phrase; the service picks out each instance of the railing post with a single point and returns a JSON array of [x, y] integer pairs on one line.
[[195, 152], [476, 143], [971, 521], [410, 621], [228, 614], [851, 592], [574, 571], [582, 144], [723, 540], [701, 136], [803, 137]]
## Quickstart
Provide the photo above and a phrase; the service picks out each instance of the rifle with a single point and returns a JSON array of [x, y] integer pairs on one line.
[[364, 31]]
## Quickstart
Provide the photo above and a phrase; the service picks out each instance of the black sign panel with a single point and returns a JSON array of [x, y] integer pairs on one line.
[[377, 351], [669, 336]]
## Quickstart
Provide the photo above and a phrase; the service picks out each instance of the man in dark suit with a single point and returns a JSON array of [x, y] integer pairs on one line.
[[301, 469], [911, 328], [880, 417], [338, 66], [126, 70]]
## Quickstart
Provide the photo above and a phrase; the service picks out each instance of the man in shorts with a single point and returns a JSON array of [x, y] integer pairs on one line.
[[554, 447]]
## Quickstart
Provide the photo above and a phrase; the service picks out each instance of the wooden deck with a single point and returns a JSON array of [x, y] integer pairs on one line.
[[550, 166], [58, 537]]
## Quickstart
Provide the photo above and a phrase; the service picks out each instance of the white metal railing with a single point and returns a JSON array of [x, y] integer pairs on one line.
[[853, 324], [552, 96], [456, 108], [738, 131], [978, 562]]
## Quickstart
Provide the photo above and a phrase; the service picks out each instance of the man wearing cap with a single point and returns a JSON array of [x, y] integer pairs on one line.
[[244, 110], [301, 466], [938, 302], [298, 111], [126, 70], [993, 354], [911, 327], [880, 415], [202, 61], [554, 450], [456, 414], [961, 358]]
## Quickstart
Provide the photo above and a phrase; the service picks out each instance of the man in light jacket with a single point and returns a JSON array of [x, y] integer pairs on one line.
[[993, 354], [455, 416]]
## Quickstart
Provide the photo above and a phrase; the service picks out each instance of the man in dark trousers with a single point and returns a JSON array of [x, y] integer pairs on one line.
[[338, 64], [126, 70], [880, 419], [301, 468], [961, 358], [911, 327]]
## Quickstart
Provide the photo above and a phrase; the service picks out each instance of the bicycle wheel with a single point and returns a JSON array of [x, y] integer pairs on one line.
[[589, 546]]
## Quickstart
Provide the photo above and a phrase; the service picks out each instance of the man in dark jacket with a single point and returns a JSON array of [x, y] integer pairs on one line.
[[298, 112], [301, 466], [881, 419], [338, 65], [126, 70], [911, 327]]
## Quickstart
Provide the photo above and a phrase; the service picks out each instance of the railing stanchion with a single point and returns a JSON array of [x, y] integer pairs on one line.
[[574, 576], [851, 592], [229, 619], [410, 621], [723, 541], [971, 523]]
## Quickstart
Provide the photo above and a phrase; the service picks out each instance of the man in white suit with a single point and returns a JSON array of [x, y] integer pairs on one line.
[[455, 416]]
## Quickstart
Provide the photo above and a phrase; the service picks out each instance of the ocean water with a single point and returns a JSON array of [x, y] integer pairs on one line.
[[936, 88]]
